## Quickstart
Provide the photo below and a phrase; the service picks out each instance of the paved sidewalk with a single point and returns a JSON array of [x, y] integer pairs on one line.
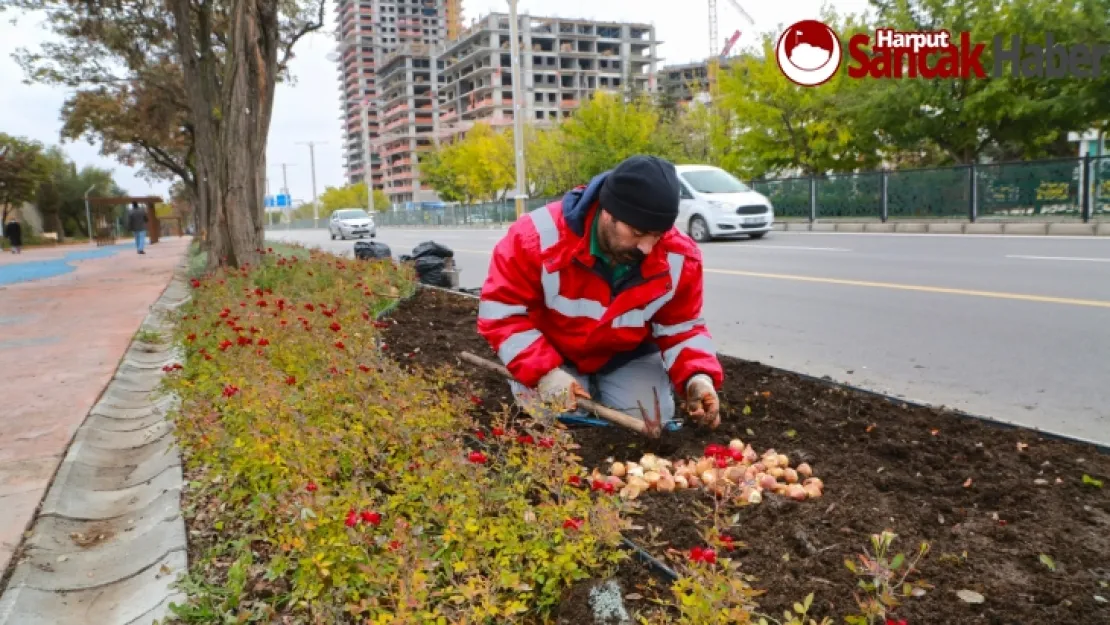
[[61, 340]]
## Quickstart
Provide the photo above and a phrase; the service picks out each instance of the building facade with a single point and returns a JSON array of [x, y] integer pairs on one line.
[[367, 32], [563, 62]]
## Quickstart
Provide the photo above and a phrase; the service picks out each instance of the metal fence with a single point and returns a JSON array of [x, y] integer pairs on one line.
[[1068, 187]]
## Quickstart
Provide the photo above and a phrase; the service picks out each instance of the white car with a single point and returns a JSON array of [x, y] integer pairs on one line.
[[351, 222], [713, 203]]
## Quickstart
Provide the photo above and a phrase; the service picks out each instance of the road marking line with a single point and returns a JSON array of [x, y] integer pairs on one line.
[[741, 246], [938, 235], [1089, 260], [912, 287]]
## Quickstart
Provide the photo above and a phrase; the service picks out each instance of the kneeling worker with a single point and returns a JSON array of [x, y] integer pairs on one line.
[[598, 295]]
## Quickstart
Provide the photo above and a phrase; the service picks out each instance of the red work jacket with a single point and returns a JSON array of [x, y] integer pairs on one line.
[[543, 304]]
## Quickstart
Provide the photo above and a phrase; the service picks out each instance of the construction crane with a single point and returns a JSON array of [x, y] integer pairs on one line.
[[716, 57]]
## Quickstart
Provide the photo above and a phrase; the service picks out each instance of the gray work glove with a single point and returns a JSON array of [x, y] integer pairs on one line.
[[702, 402], [561, 389]]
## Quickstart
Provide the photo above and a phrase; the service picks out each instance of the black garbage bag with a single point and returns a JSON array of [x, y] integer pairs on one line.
[[431, 248], [433, 271], [405, 258], [367, 250]]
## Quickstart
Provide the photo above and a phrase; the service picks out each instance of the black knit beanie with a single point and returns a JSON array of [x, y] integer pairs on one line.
[[642, 192]]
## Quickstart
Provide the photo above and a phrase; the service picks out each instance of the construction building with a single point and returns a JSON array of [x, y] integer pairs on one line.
[[367, 32], [686, 82], [563, 62]]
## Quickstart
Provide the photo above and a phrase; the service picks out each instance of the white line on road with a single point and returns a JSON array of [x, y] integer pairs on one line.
[[1079, 258], [750, 246], [945, 235]]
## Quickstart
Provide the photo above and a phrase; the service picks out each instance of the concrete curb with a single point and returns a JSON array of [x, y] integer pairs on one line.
[[109, 541], [1101, 228]]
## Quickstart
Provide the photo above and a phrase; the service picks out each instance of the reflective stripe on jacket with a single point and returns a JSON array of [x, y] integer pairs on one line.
[[543, 303]]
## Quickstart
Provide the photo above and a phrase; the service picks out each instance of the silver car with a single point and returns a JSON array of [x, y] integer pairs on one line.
[[351, 222]]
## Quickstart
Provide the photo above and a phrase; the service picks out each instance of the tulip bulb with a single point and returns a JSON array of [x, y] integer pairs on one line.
[[812, 491], [635, 470], [791, 476], [783, 461], [665, 484], [704, 465], [816, 481], [796, 492], [649, 462], [709, 478], [652, 477], [804, 470], [749, 455], [736, 444], [735, 475], [680, 483], [615, 481], [768, 482], [618, 469], [755, 497]]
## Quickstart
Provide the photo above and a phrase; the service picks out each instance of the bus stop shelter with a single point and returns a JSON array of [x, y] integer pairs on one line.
[[104, 229]]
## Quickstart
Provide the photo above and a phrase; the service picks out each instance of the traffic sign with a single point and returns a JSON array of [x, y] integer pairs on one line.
[[281, 200]]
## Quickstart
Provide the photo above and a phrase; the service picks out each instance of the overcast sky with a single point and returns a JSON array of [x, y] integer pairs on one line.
[[309, 109]]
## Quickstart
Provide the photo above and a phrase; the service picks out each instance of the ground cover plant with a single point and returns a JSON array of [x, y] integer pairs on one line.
[[327, 484], [925, 517]]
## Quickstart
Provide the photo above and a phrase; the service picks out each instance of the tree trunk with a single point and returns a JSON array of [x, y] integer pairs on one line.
[[231, 102]]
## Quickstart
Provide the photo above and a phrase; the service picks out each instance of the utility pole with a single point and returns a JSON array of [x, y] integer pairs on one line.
[[312, 159], [518, 107]]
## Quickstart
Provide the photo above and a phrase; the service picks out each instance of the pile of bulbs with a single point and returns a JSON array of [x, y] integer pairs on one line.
[[722, 470]]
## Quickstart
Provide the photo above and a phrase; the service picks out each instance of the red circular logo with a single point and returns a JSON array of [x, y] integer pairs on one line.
[[808, 53]]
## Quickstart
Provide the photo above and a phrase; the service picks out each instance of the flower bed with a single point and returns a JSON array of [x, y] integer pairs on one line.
[[1010, 517], [327, 484]]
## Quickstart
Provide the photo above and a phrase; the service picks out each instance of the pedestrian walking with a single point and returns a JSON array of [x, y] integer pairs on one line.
[[13, 231], [136, 222]]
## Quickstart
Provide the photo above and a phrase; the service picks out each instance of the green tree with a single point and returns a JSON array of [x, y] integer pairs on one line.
[[963, 120], [349, 196], [231, 54], [22, 168], [606, 130], [478, 167], [60, 194], [550, 167]]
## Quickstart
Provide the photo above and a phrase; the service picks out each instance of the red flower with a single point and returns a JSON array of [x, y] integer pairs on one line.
[[365, 316], [242, 304], [394, 545], [195, 283], [178, 366], [281, 304], [891, 621], [244, 340], [712, 450], [381, 324], [728, 542], [230, 390], [167, 368], [263, 342], [191, 338], [525, 439], [255, 330], [477, 457], [477, 401], [311, 487], [269, 250], [480, 435], [284, 322], [339, 344], [574, 480], [258, 292], [261, 303], [334, 371], [224, 344], [364, 368], [352, 518], [703, 554], [736, 454], [573, 524], [602, 486], [722, 462], [290, 380], [207, 357], [335, 327], [224, 313], [309, 307], [547, 443], [498, 431], [373, 518]]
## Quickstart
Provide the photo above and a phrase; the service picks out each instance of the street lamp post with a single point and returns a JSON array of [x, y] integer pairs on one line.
[[312, 160], [88, 213], [518, 108]]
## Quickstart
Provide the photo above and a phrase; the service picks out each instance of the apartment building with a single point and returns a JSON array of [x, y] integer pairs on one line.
[[367, 32], [563, 62]]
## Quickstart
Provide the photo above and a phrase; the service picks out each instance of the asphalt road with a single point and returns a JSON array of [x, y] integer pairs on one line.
[[1012, 328]]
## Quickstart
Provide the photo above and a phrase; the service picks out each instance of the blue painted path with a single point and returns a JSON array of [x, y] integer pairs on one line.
[[40, 269]]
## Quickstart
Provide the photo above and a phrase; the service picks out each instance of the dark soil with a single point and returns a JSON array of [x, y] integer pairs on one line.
[[885, 465]]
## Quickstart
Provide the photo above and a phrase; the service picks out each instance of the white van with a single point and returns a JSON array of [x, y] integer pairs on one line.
[[713, 203]]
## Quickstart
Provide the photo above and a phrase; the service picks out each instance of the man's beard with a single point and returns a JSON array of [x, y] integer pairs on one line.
[[632, 256]]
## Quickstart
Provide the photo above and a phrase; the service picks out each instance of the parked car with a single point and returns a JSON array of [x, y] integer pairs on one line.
[[351, 222], [713, 203]]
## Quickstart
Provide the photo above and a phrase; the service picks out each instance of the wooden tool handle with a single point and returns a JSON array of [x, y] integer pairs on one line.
[[605, 412]]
